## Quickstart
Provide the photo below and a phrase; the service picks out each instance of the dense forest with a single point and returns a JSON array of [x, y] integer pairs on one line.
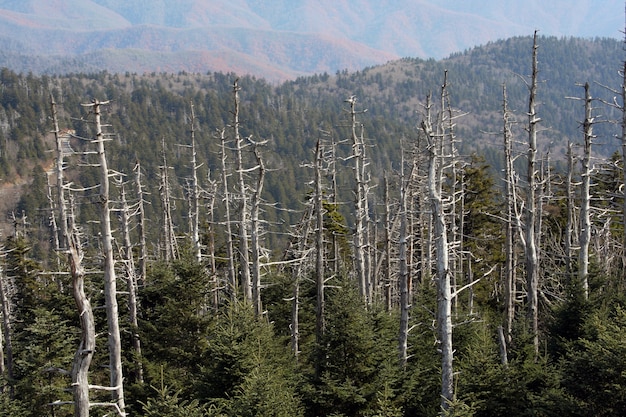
[[416, 239]]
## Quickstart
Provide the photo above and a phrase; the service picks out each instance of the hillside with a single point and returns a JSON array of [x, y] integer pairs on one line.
[[334, 259], [291, 116], [275, 40]]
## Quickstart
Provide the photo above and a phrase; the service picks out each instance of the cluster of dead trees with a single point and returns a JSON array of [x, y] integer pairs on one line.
[[417, 239]]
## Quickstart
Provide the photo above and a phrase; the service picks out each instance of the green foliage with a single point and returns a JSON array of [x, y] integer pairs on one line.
[[354, 360], [43, 353], [175, 319], [11, 407], [169, 404], [595, 366]]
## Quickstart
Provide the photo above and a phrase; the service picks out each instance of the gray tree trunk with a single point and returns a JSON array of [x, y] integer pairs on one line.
[[444, 291], [360, 202], [403, 278], [255, 231], [87, 346], [585, 203], [131, 285], [110, 284], [532, 264], [230, 251], [510, 264], [244, 215], [141, 228]]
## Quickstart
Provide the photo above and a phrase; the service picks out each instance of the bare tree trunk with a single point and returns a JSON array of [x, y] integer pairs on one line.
[[509, 273], [320, 325], [585, 215], [141, 228], [169, 234], [6, 327], [87, 346], [444, 291], [60, 166], [195, 193], [360, 200], [244, 255], [230, 251], [255, 232], [110, 284], [404, 276], [532, 265], [387, 256], [210, 208], [131, 285], [623, 138], [570, 210]]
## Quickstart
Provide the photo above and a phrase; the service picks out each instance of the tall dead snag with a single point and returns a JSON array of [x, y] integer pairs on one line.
[[141, 226], [320, 324], [585, 215], [110, 284], [255, 232], [623, 140], [387, 256], [569, 195], [404, 275], [211, 193], [170, 245], [6, 329], [299, 254], [87, 346], [131, 283], [510, 263], [360, 201], [230, 250], [195, 193], [70, 240], [532, 263], [444, 290], [244, 223]]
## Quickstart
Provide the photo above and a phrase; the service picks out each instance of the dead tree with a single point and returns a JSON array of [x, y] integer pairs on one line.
[[532, 263], [403, 278], [255, 231], [320, 278], [195, 193], [511, 204], [623, 142], [6, 329], [141, 226], [444, 290], [211, 194], [87, 346], [360, 201], [110, 284], [569, 195], [244, 215], [70, 238], [585, 215], [230, 251], [131, 282], [170, 245]]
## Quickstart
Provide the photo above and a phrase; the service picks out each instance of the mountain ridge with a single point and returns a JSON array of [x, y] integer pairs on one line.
[[288, 39]]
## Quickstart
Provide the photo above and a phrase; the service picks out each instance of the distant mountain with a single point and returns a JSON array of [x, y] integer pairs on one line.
[[292, 115], [276, 39]]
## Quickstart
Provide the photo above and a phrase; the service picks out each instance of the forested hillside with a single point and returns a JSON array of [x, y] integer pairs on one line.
[[417, 238]]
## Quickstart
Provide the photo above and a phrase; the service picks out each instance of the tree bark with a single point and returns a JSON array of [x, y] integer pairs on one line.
[[244, 223], [532, 265], [110, 284], [585, 215]]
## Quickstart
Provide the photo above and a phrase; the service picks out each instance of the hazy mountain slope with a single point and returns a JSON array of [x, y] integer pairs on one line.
[[279, 39]]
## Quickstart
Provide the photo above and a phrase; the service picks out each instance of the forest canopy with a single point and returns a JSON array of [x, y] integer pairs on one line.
[[420, 238]]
